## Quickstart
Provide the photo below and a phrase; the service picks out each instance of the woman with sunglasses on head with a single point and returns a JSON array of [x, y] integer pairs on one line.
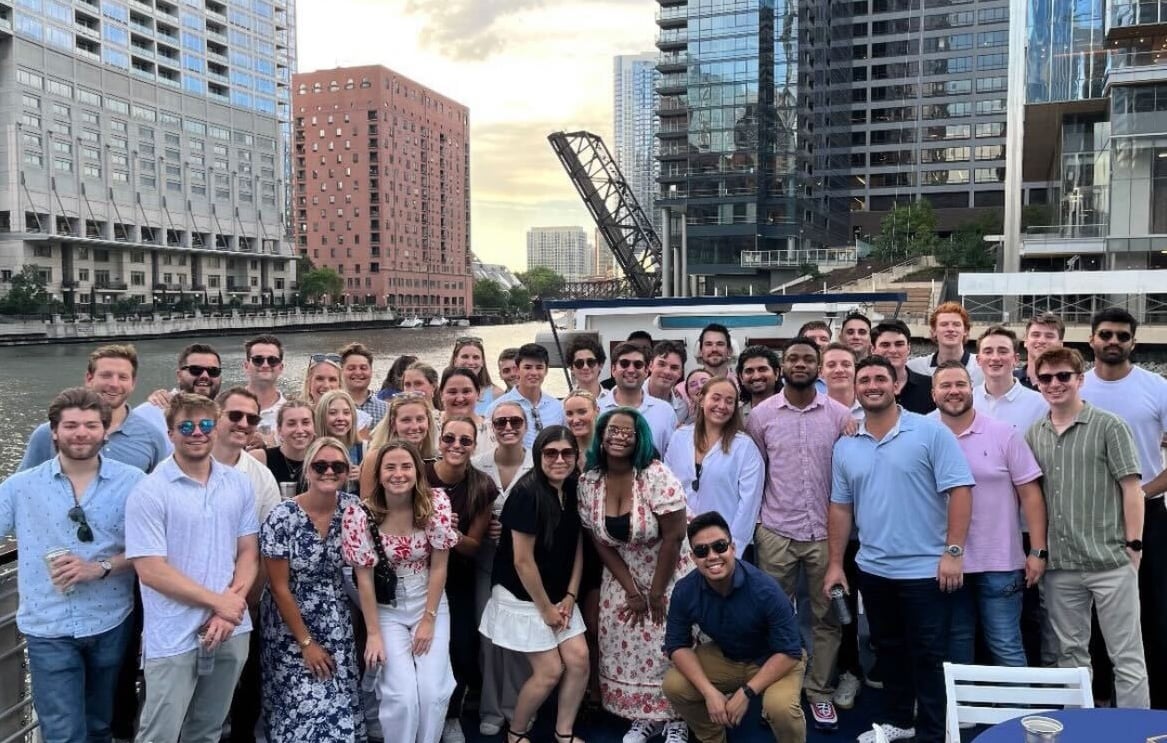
[[471, 494], [717, 462], [421, 378], [536, 580], [458, 391], [634, 509], [585, 359], [410, 418], [408, 644], [391, 385], [503, 671], [336, 416], [308, 653], [296, 430], [469, 353]]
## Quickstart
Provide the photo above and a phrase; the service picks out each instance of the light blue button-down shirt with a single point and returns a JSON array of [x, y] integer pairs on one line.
[[138, 443], [34, 507], [549, 413]]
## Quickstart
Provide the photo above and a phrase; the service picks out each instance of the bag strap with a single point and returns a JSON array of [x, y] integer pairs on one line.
[[375, 533]]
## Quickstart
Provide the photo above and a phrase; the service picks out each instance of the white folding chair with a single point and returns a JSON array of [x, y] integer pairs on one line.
[[993, 694]]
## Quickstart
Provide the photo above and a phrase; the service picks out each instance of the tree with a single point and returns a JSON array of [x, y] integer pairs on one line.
[[520, 299], [542, 282], [966, 248], [319, 282], [907, 231], [27, 293], [489, 295]]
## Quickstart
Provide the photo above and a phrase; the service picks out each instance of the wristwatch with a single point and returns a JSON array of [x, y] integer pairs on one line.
[[305, 642], [1039, 554], [1135, 545], [954, 550], [107, 568], [748, 691]]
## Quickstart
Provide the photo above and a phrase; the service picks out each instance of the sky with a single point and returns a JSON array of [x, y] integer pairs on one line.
[[525, 68]]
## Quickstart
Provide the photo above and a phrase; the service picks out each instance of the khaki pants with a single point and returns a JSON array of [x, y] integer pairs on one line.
[[782, 558], [179, 702], [781, 702], [1068, 595]]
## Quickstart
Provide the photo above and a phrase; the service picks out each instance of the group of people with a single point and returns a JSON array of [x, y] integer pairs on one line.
[[352, 564]]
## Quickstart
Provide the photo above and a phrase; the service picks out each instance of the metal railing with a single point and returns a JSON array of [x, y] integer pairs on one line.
[[794, 258], [1094, 230], [17, 721]]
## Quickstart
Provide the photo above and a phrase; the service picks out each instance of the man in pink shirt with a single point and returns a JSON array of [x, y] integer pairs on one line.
[[995, 569], [796, 429]]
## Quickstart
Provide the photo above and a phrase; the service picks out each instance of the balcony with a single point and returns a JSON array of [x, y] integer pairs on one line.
[[672, 62], [672, 84], [1136, 68], [676, 38], [237, 289], [1135, 19], [1064, 239], [672, 16], [110, 286], [823, 258]]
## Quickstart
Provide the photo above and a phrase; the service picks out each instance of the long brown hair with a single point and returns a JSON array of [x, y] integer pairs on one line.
[[478, 485], [423, 502], [733, 426]]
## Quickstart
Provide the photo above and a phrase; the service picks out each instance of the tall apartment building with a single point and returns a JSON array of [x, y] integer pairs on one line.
[[144, 157], [605, 265], [634, 120], [382, 188], [564, 250]]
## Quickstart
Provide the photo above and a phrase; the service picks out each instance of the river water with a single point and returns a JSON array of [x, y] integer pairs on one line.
[[31, 375]]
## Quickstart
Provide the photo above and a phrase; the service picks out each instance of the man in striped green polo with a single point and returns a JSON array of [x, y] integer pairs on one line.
[[1095, 512]]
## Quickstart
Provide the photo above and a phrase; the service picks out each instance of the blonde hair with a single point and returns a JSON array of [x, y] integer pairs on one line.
[[306, 390], [320, 417], [314, 449], [387, 428], [293, 403], [423, 502]]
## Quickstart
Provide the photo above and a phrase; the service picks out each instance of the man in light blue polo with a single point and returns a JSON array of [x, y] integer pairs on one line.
[[191, 531], [540, 409], [906, 483], [630, 369], [75, 586]]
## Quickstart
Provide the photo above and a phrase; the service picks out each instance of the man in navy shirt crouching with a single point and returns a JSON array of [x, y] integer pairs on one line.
[[756, 649]]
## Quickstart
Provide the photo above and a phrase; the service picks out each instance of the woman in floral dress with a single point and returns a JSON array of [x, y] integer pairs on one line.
[[635, 510], [308, 657]]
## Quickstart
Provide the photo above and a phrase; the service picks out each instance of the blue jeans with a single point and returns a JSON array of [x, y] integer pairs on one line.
[[73, 684], [994, 600]]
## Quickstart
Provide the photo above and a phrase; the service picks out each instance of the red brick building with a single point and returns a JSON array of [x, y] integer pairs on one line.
[[382, 188]]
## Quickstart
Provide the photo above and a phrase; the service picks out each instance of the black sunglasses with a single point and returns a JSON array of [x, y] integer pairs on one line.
[[567, 455], [332, 358], [272, 361], [1122, 335], [197, 371], [697, 479], [514, 421], [237, 415], [337, 467], [465, 441], [721, 546], [634, 363], [589, 363], [84, 531], [1062, 376]]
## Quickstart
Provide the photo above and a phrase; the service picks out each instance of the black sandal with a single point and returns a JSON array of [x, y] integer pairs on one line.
[[569, 737], [519, 737]]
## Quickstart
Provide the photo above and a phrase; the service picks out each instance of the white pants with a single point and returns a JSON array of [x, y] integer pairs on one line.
[[415, 689]]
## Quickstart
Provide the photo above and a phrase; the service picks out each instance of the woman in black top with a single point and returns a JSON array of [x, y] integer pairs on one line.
[[296, 431], [536, 580]]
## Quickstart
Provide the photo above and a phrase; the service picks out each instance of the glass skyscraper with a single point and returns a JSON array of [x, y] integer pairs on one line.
[[634, 119]]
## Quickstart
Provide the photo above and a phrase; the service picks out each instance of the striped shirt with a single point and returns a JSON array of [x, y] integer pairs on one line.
[[1083, 466]]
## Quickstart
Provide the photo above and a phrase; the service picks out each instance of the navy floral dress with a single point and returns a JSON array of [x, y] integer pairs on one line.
[[297, 706]]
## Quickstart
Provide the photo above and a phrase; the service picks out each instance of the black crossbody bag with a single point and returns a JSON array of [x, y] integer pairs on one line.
[[384, 576]]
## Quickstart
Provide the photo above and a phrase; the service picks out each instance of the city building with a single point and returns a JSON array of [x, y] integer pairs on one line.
[[564, 250], [496, 272], [634, 79], [605, 265], [382, 188], [144, 159]]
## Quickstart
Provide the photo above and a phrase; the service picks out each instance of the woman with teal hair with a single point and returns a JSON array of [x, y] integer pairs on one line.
[[635, 510]]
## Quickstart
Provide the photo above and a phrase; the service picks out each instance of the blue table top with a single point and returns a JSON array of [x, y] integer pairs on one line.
[[1089, 726]]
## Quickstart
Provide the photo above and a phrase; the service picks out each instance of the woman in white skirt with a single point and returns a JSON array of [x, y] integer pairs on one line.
[[536, 580], [409, 638]]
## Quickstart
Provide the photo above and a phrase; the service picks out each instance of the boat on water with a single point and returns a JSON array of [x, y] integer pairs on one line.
[[411, 322], [768, 320], [462, 322], [438, 321]]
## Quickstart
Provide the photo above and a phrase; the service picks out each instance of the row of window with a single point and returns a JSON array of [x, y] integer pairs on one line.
[[900, 179]]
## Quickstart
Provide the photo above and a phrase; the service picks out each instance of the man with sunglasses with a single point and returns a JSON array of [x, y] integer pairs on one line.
[[191, 531], [797, 429], [540, 409], [76, 588], [630, 368], [755, 648], [263, 363], [1139, 398], [199, 372], [1095, 505]]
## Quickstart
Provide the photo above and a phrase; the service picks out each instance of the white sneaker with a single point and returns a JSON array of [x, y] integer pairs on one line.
[[452, 732], [890, 731], [489, 727], [846, 690], [676, 732], [642, 730]]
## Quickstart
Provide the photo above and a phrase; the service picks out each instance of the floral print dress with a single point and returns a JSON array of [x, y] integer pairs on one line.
[[409, 555], [297, 706], [632, 664]]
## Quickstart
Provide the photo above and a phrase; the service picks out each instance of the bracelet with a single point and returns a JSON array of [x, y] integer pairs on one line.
[[433, 614], [573, 598], [305, 642]]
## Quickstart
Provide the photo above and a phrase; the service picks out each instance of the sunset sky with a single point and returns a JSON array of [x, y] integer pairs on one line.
[[525, 68]]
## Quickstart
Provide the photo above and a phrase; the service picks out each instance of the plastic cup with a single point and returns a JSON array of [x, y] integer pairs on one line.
[[54, 554], [1040, 729]]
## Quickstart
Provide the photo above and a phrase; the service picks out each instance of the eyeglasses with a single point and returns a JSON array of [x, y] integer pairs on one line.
[[84, 531], [634, 363], [514, 421], [197, 371], [590, 363], [721, 546], [614, 432], [1122, 335], [237, 415], [1062, 376], [338, 467], [697, 478], [187, 428], [551, 455], [272, 361], [449, 439], [332, 358]]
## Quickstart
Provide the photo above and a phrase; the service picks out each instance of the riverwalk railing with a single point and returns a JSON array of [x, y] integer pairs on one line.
[[17, 721]]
